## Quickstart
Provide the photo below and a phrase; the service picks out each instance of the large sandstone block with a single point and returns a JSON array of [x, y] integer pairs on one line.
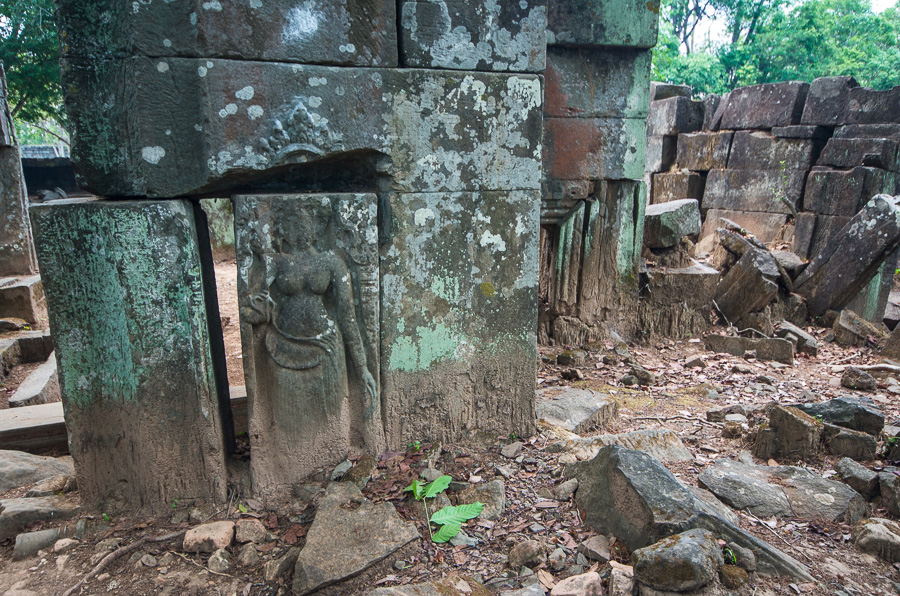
[[761, 151], [813, 232], [594, 148], [849, 153], [23, 298], [827, 101], [765, 226], [588, 82], [629, 23], [852, 258], [128, 308], [843, 192], [748, 286], [308, 31], [870, 106], [704, 151], [460, 35], [863, 131], [665, 224], [661, 153], [459, 315], [666, 90], [802, 131], [673, 186], [257, 122], [16, 246], [765, 106], [678, 302], [673, 116], [753, 190]]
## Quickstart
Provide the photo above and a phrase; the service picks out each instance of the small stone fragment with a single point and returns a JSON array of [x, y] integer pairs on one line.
[[557, 559], [512, 450], [855, 378], [279, 567], [564, 491], [595, 548], [219, 561], [858, 477], [733, 577], [880, 537], [209, 537], [248, 556], [64, 544], [587, 584], [250, 530], [695, 363], [148, 560], [492, 494], [527, 554], [679, 563]]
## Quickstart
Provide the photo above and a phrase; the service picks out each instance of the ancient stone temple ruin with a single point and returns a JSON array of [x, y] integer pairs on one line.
[[394, 208]]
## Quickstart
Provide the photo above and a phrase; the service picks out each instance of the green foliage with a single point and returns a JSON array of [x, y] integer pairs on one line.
[[457, 515], [449, 518], [30, 53], [446, 533]]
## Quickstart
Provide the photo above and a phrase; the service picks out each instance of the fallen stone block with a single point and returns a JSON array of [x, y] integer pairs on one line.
[[629, 495], [748, 286], [765, 106], [765, 226], [665, 224], [790, 262], [452, 585], [680, 563], [843, 442], [758, 150], [674, 186], [674, 116], [29, 543], [872, 153], [17, 513], [704, 151], [847, 412], [791, 433], [858, 477], [666, 90], [873, 106], [661, 151], [371, 533], [827, 101], [803, 341], [677, 302], [39, 387], [625, 23], [18, 468], [860, 380], [779, 350], [850, 329], [842, 192], [879, 537], [754, 190], [576, 410], [889, 487], [852, 259], [23, 298]]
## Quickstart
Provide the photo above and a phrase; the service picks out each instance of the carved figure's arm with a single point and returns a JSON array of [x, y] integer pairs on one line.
[[340, 280]]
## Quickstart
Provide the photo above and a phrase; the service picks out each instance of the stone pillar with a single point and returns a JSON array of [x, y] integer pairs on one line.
[[126, 300]]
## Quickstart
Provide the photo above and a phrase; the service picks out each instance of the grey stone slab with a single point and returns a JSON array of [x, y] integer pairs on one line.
[[872, 106], [803, 341], [20, 469], [765, 226], [847, 412], [765, 106], [753, 190], [594, 148], [749, 285], [827, 101], [665, 224], [674, 186], [459, 315], [255, 123], [460, 35], [858, 477], [16, 514], [661, 153], [39, 387], [588, 82], [666, 90], [628, 23], [704, 151], [23, 298], [145, 280], [308, 31], [852, 152], [862, 131], [673, 116], [17, 257], [713, 108], [779, 350], [802, 131], [762, 151], [576, 410]]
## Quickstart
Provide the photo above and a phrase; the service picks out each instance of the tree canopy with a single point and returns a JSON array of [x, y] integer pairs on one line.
[[767, 41]]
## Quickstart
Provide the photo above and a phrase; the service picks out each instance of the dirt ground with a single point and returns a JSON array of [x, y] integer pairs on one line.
[[678, 401]]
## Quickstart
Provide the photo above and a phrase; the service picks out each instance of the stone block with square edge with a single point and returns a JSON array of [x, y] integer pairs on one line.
[[844, 192], [873, 106], [661, 153], [673, 116], [673, 186], [870, 152], [765, 226], [758, 150], [628, 23], [127, 301], [765, 106], [17, 256], [754, 190], [23, 298], [827, 101], [594, 148], [704, 151]]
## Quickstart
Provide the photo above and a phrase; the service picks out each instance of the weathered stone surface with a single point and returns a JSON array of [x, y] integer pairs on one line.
[[748, 286], [255, 118], [673, 116], [602, 23], [492, 494], [713, 108], [586, 584], [55, 485], [862, 131], [16, 247], [717, 506], [858, 477], [753, 190], [779, 350], [219, 561], [371, 533], [847, 412], [458, 316], [207, 538], [843, 442], [704, 150], [249, 530], [29, 543], [593, 148], [852, 259], [459, 35], [39, 387], [23, 298], [855, 378], [679, 563], [277, 568], [782, 491], [678, 302], [889, 487], [758, 150], [665, 224], [872, 106], [765, 106], [662, 444], [576, 410], [873, 153], [15, 514], [877, 536], [118, 393], [850, 329], [765, 226], [18, 468], [666, 90], [452, 585], [827, 101], [803, 341], [621, 583], [871, 302], [630, 495], [674, 186], [842, 192], [315, 31], [791, 433], [661, 151], [802, 131], [528, 553], [587, 82], [791, 263]]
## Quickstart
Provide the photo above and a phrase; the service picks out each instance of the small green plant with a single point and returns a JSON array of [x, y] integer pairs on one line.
[[242, 508], [450, 519], [175, 504], [730, 557], [512, 436], [892, 441], [105, 517], [414, 446]]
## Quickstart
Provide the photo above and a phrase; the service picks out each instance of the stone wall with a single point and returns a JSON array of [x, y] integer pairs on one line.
[[791, 162]]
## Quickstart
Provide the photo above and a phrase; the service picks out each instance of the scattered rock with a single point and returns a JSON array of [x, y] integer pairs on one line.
[[512, 450], [849, 412], [880, 537], [527, 554], [643, 376], [749, 285], [803, 341], [571, 358], [745, 558], [249, 556], [64, 544], [18, 468], [695, 363], [15, 514], [791, 433], [779, 350], [273, 570], [452, 585], [148, 560], [855, 378], [719, 414], [595, 548], [889, 487], [679, 563], [733, 577], [850, 329], [360, 474], [250, 530], [858, 477], [844, 442], [587, 584], [621, 583], [370, 533], [29, 543], [53, 486], [492, 494], [207, 538], [557, 560], [341, 469], [219, 561], [576, 410], [665, 224]]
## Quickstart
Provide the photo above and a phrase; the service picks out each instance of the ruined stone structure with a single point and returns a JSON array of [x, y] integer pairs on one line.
[[386, 167], [788, 161]]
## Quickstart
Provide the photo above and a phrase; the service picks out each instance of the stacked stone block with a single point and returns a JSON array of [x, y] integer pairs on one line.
[[595, 110], [768, 155]]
